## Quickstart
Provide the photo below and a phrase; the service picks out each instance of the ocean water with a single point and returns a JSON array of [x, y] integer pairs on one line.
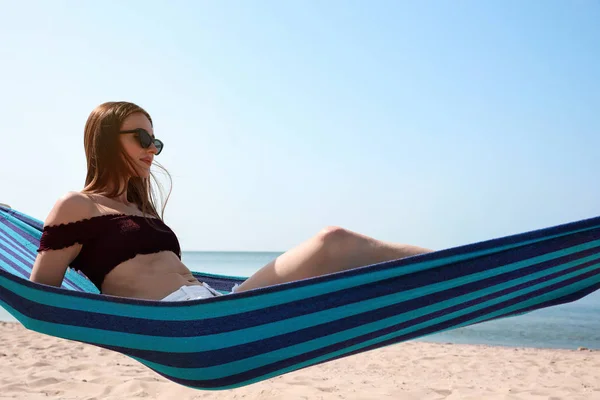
[[567, 326]]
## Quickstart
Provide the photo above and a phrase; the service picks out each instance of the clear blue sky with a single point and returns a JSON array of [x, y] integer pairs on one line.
[[436, 123]]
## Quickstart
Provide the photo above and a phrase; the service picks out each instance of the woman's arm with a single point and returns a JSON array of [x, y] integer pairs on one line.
[[50, 265]]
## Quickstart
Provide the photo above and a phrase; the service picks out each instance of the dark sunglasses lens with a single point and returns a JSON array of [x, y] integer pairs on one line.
[[159, 146], [145, 138]]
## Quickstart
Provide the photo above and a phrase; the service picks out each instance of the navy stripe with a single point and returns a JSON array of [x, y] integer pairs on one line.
[[15, 243], [35, 242], [269, 314], [557, 301], [348, 296], [3, 257], [33, 222], [25, 272], [18, 256], [266, 315], [256, 374], [25, 235], [237, 379], [217, 283], [6, 252], [561, 229], [232, 353]]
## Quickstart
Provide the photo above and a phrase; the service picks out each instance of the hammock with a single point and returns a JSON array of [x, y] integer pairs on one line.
[[243, 338]]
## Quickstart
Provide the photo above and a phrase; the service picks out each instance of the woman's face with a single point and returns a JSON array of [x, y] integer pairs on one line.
[[142, 158]]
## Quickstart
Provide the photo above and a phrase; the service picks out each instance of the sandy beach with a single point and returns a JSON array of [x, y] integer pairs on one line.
[[36, 366]]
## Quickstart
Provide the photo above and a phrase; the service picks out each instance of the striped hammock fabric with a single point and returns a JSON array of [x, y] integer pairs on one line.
[[243, 338]]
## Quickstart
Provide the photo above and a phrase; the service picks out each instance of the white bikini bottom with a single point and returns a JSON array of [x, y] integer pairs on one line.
[[195, 292]]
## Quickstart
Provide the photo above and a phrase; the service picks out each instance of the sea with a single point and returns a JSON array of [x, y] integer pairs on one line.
[[567, 326]]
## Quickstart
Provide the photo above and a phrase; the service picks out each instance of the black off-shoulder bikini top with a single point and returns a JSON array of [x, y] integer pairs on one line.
[[108, 240]]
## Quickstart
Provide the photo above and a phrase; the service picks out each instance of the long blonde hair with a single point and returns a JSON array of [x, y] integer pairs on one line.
[[108, 165]]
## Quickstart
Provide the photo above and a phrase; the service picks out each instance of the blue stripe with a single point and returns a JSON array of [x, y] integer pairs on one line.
[[17, 230], [34, 223], [9, 267], [423, 282], [274, 330], [12, 213], [16, 234], [525, 295], [414, 310], [222, 283], [500, 311], [16, 255], [200, 343], [253, 300], [15, 264], [535, 235], [22, 219], [14, 245], [19, 267], [534, 299]]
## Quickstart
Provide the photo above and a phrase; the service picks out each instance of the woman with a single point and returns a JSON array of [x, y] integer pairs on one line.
[[112, 232]]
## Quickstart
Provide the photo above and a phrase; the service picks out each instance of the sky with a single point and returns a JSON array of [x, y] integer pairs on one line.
[[433, 123]]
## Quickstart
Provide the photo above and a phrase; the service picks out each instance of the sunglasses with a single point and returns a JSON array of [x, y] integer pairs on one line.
[[146, 140]]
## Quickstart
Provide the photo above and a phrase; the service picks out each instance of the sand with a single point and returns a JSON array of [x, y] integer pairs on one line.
[[36, 366]]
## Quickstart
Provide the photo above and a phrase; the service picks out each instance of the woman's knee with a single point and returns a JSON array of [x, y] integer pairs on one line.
[[334, 239], [332, 234]]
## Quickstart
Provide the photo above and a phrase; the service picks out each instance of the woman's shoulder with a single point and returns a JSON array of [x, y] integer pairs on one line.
[[70, 208], [67, 223]]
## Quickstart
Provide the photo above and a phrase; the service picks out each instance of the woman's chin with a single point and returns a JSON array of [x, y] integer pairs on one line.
[[143, 173]]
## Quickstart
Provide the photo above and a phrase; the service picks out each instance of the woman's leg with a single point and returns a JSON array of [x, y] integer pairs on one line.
[[331, 250]]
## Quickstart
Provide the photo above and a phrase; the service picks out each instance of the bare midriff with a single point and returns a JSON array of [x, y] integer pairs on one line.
[[148, 276]]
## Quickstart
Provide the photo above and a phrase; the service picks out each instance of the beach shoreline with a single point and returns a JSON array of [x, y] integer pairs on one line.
[[36, 366]]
